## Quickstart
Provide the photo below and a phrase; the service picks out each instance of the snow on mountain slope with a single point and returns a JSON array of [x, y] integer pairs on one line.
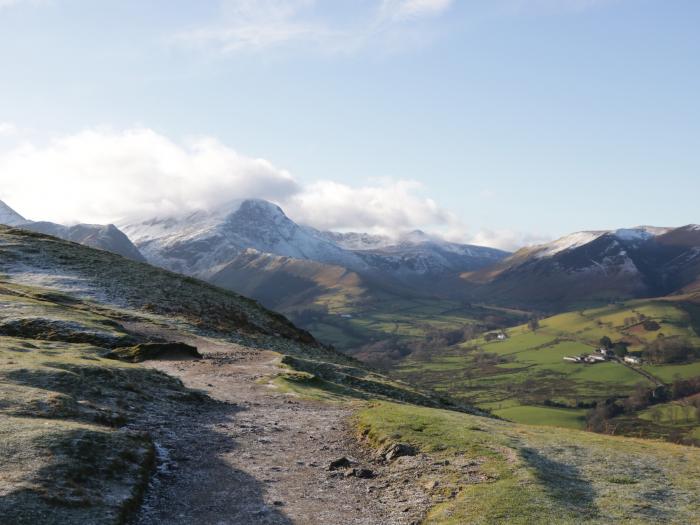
[[358, 241], [578, 239], [10, 217], [203, 242], [103, 237], [419, 253], [567, 242]]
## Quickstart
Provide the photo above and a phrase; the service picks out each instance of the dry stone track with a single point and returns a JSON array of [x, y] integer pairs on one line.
[[261, 456]]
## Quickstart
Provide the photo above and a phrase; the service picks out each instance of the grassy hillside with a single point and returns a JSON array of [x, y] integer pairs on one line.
[[498, 472], [525, 378], [70, 452], [350, 311]]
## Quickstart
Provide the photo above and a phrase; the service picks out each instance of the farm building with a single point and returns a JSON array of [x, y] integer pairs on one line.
[[590, 359], [633, 360], [606, 352], [593, 358], [496, 336]]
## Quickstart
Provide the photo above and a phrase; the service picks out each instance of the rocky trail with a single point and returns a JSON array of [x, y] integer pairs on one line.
[[260, 456]]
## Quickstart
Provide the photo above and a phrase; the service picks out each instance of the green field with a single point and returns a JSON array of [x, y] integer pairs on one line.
[[349, 323], [534, 415], [525, 377]]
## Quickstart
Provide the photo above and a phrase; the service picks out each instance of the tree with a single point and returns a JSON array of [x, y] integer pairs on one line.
[[668, 350], [533, 324], [606, 342], [620, 349]]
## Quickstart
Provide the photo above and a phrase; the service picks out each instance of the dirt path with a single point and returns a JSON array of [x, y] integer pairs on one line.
[[260, 456]]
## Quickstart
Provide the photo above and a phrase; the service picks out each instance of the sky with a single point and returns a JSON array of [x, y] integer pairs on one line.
[[496, 122]]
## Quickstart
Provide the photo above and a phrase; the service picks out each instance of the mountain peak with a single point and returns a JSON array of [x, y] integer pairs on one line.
[[416, 236], [260, 207], [10, 217]]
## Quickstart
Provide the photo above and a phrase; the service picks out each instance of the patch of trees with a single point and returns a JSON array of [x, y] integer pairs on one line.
[[599, 417], [651, 326], [384, 353], [620, 347], [485, 359], [310, 315], [636, 319], [665, 350], [577, 404], [685, 387], [533, 324]]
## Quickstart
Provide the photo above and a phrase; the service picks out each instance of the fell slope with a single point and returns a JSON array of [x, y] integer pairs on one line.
[[525, 376], [81, 430], [496, 472], [269, 408], [103, 237], [592, 268]]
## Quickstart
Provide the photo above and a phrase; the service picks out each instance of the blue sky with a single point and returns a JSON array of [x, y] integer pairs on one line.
[[494, 121]]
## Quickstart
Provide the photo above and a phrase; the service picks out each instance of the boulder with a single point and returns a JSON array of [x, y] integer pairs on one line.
[[341, 463], [397, 450], [150, 351]]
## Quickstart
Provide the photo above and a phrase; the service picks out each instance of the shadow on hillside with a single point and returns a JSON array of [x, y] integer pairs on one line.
[[563, 483], [90, 467], [194, 483]]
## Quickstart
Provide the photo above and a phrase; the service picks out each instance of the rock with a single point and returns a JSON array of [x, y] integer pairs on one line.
[[431, 485], [397, 450], [340, 463], [147, 351], [364, 473]]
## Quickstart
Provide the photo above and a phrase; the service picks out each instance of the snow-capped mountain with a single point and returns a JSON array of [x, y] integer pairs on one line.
[[10, 217], [597, 265], [103, 237], [204, 242], [418, 253], [358, 241]]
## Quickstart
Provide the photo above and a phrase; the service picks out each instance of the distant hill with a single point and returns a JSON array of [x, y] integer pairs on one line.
[[252, 247], [103, 237], [594, 267]]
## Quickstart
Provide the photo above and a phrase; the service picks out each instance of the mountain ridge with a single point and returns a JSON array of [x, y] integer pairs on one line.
[[596, 266], [101, 236]]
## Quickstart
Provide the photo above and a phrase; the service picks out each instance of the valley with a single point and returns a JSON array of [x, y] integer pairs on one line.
[[439, 408]]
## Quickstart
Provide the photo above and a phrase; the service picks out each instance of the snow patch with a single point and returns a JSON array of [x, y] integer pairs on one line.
[[567, 243], [10, 217], [633, 234]]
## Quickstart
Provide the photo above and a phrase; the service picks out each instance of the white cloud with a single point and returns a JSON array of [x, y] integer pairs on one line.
[[412, 8], [388, 206], [104, 175], [508, 240], [257, 24], [8, 129], [551, 6], [247, 25], [13, 3]]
